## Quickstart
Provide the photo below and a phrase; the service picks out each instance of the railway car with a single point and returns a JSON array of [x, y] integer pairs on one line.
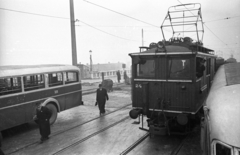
[[220, 132], [168, 84]]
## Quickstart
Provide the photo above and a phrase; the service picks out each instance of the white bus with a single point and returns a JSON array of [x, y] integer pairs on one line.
[[23, 88]]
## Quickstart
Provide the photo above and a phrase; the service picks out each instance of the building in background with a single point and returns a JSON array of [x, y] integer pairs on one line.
[[107, 69]]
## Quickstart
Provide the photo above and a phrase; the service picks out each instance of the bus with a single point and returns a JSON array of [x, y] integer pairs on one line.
[[24, 88]]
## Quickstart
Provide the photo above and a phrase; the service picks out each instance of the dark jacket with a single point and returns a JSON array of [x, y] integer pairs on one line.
[[200, 70], [102, 95], [43, 116]]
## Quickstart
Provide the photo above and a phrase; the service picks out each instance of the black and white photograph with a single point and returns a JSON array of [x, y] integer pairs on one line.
[[111, 77]]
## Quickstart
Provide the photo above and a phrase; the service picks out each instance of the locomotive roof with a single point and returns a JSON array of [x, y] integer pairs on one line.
[[223, 104], [6, 71], [175, 49]]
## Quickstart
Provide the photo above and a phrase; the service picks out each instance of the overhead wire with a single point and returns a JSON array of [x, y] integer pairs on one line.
[[222, 19], [209, 29], [50, 16], [33, 13], [105, 31]]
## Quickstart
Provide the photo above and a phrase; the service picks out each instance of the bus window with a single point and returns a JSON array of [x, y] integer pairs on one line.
[[55, 79], [179, 68], [10, 85], [146, 68], [71, 77], [32, 82]]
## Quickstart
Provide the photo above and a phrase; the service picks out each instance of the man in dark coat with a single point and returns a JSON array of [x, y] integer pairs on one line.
[[43, 114], [118, 76], [101, 98]]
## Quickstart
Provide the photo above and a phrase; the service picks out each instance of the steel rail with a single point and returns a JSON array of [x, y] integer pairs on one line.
[[91, 135], [130, 148], [60, 132]]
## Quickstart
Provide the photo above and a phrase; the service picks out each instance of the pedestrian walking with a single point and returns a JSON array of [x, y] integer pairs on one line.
[[118, 76], [101, 98], [43, 114]]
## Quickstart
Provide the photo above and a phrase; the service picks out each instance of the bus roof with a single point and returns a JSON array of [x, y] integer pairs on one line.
[[19, 70]]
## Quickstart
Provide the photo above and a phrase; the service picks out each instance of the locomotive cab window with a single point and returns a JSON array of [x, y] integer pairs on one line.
[[146, 68], [179, 68]]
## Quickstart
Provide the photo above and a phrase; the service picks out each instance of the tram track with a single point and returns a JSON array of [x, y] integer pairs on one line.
[[86, 92], [71, 128], [68, 129], [90, 136], [135, 144], [178, 147]]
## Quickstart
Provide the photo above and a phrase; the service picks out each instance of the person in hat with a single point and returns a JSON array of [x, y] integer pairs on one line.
[[43, 114], [101, 98], [200, 67]]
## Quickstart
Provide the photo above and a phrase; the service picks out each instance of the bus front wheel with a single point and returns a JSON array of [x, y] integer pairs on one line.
[[54, 112]]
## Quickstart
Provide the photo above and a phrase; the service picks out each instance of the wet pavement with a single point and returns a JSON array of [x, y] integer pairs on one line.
[[80, 130]]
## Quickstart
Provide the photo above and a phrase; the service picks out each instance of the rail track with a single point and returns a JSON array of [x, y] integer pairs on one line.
[[90, 136], [71, 128], [86, 92]]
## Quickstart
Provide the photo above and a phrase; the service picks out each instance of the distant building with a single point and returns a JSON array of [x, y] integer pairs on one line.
[[107, 69], [84, 70], [231, 60]]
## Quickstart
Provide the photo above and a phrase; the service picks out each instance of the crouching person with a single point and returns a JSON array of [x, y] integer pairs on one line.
[[43, 114]]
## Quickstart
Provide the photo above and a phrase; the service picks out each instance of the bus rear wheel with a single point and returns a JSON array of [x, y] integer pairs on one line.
[[54, 112]]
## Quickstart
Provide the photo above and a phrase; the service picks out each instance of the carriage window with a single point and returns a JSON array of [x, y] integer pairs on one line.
[[146, 68], [222, 150], [32, 82], [10, 85], [71, 77], [208, 66], [55, 79], [179, 68]]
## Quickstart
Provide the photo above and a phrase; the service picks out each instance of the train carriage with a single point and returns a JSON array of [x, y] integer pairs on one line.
[[167, 85], [220, 132]]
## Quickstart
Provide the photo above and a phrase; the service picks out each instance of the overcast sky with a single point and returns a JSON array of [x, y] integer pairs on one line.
[[38, 31]]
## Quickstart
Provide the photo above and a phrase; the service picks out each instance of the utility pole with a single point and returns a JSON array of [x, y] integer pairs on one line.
[[91, 69], [73, 36], [142, 37]]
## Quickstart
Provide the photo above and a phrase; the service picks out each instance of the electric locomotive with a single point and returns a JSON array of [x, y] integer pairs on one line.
[[171, 79]]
